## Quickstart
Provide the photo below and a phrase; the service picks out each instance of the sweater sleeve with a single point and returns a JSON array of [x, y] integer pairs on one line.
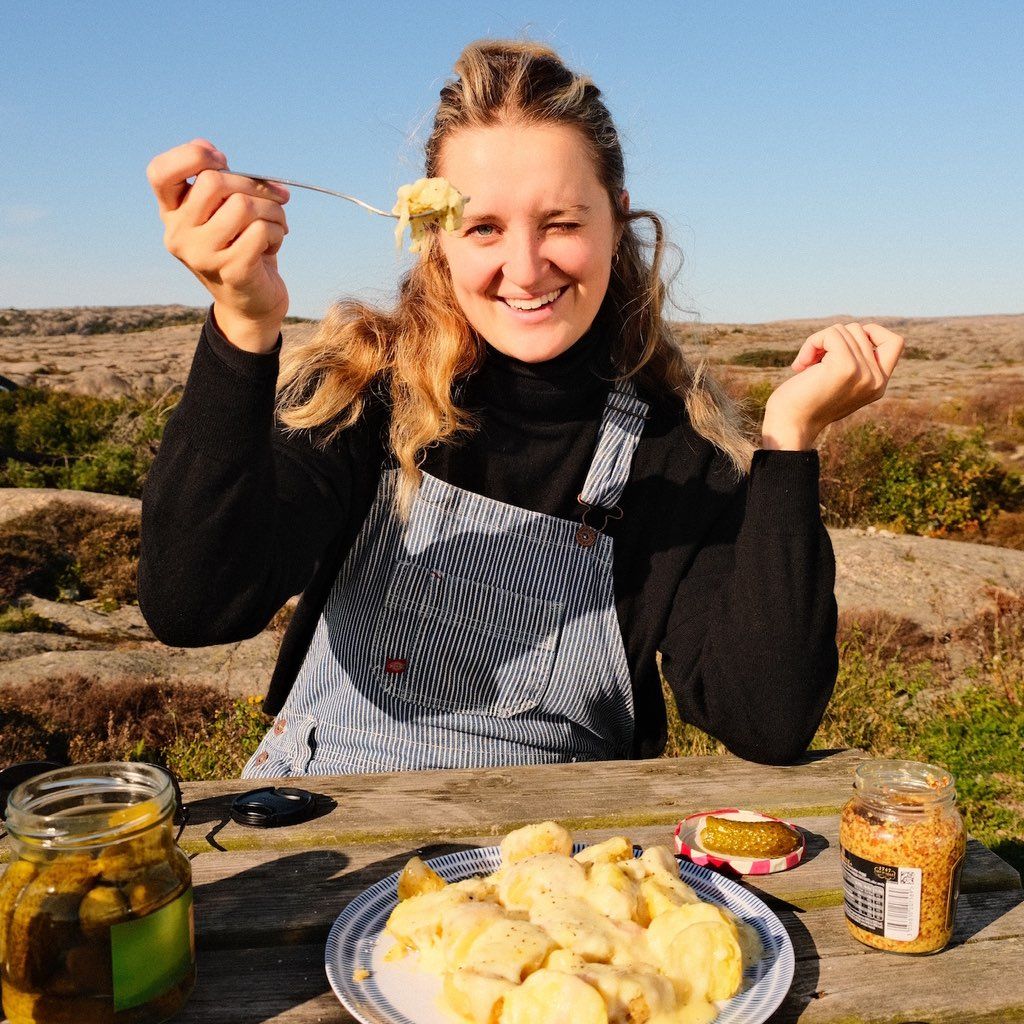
[[750, 647], [236, 511]]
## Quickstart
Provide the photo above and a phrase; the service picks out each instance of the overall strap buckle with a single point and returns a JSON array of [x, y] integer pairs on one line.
[[586, 534]]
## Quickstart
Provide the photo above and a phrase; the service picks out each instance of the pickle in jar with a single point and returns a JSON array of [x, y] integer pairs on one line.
[[44, 922], [96, 911]]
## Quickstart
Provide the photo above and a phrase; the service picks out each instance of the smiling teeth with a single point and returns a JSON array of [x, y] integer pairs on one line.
[[535, 303]]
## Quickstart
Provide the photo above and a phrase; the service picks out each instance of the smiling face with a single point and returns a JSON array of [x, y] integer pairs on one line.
[[531, 263]]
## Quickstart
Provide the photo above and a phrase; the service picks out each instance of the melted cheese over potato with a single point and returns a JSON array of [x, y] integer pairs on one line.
[[554, 939], [437, 199]]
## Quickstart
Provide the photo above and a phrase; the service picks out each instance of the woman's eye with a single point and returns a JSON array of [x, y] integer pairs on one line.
[[483, 230], [564, 226]]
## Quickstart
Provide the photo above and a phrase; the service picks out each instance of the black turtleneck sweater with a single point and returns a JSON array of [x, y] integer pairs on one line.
[[730, 579]]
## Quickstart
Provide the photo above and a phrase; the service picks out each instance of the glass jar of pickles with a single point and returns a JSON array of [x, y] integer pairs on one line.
[[902, 844], [96, 906]]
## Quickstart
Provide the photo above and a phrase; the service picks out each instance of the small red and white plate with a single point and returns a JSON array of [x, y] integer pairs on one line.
[[688, 844]]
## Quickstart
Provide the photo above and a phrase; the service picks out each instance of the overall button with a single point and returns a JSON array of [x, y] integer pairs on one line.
[[261, 757], [280, 725]]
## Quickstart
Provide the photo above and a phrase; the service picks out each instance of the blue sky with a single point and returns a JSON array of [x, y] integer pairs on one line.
[[810, 158]]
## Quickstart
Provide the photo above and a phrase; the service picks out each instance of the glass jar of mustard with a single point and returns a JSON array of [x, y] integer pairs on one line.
[[902, 844], [96, 906]]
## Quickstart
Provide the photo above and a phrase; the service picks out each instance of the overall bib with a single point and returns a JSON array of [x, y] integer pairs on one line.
[[477, 634]]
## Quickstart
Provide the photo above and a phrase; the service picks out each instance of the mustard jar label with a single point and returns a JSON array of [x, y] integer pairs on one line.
[[881, 898]]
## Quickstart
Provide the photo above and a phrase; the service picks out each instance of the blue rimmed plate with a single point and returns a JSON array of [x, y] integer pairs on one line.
[[398, 993]]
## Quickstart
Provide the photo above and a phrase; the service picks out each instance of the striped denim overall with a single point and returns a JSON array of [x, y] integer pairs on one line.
[[476, 634]]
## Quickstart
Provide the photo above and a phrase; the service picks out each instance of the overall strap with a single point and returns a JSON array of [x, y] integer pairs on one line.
[[625, 414]]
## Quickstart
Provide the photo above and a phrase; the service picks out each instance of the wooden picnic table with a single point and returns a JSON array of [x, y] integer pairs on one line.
[[265, 899]]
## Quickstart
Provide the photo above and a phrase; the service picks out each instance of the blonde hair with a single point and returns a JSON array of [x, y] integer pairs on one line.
[[417, 350]]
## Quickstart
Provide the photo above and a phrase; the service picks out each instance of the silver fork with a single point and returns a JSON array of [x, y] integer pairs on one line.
[[329, 192]]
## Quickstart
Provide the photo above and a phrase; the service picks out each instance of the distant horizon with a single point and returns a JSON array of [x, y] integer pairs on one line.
[[772, 320]]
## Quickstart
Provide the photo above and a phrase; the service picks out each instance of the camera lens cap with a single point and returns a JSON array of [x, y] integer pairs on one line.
[[272, 806]]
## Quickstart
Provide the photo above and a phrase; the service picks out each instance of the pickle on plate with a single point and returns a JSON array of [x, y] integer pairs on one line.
[[734, 838]]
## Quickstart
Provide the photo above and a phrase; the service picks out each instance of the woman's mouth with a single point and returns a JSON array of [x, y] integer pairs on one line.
[[536, 308]]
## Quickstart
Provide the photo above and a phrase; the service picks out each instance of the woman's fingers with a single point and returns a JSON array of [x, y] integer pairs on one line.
[[168, 173], [848, 366], [831, 343], [212, 188], [811, 351], [234, 215], [866, 374], [261, 238], [888, 347]]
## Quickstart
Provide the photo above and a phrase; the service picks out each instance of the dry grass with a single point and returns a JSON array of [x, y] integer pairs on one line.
[[78, 719], [195, 730]]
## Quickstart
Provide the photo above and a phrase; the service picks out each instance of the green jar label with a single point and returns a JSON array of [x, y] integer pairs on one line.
[[152, 954]]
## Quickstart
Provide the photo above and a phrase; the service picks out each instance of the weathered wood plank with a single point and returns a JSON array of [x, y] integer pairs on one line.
[[976, 983], [283, 986], [273, 897], [417, 806]]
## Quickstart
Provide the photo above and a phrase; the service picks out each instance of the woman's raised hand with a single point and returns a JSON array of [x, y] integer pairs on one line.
[[837, 371], [227, 230]]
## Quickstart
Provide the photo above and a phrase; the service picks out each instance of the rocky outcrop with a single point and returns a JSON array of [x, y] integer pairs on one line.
[[936, 584]]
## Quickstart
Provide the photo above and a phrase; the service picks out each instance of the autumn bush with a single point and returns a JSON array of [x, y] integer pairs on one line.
[[69, 552], [913, 477]]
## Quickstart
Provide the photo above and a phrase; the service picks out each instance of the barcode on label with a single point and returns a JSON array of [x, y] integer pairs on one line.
[[903, 905]]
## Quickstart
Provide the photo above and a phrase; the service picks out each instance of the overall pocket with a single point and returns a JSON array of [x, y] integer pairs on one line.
[[461, 645]]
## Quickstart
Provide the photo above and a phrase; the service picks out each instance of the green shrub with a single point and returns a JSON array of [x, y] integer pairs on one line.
[[220, 748], [15, 619], [79, 442], [871, 706], [916, 480], [979, 736], [764, 357], [752, 399]]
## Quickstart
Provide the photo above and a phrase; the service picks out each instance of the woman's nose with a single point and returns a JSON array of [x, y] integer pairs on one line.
[[525, 264]]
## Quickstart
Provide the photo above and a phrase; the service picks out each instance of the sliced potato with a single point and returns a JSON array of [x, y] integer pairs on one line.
[[614, 849], [417, 878], [544, 837], [551, 997]]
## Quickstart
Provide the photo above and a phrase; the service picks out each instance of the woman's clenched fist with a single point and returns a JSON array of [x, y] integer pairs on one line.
[[227, 230], [837, 371]]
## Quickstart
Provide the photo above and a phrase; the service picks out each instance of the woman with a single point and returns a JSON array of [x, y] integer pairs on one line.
[[501, 498]]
